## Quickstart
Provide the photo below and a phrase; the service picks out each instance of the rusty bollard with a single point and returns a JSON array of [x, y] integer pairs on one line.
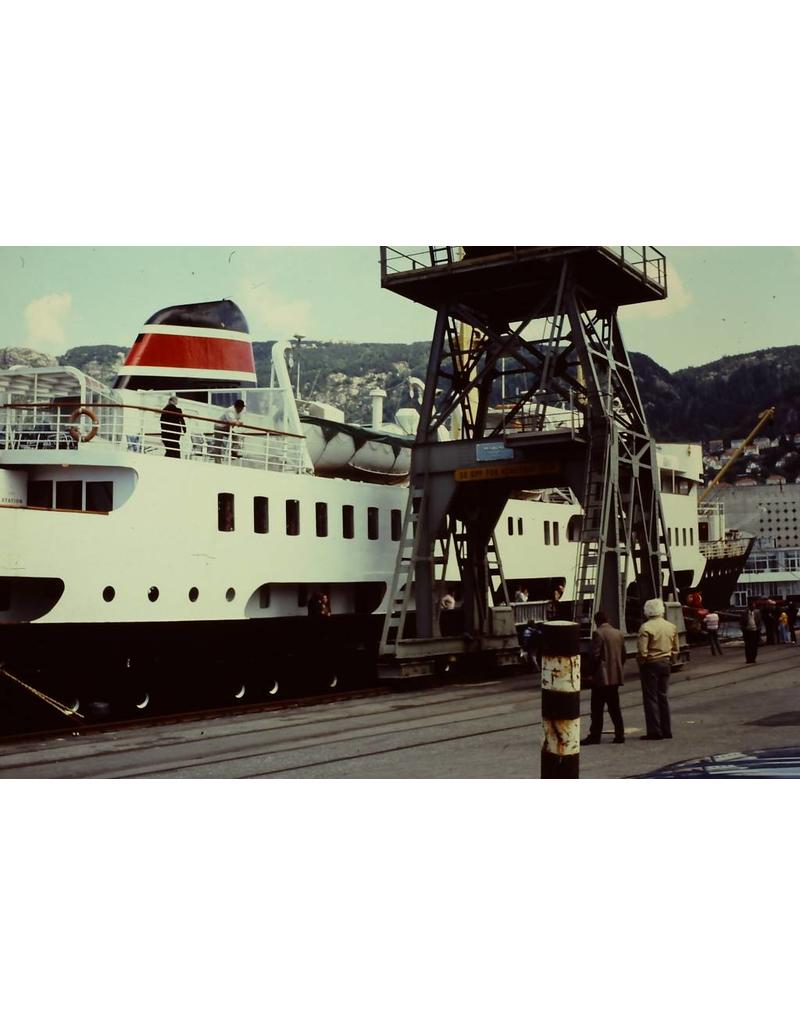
[[561, 700]]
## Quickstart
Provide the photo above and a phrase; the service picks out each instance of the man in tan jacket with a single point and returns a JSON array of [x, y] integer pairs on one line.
[[657, 649], [608, 657]]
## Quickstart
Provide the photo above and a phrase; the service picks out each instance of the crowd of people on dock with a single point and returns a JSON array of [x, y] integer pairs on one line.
[[762, 621]]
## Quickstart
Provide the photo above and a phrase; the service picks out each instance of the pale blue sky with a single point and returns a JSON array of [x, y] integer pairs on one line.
[[722, 300]]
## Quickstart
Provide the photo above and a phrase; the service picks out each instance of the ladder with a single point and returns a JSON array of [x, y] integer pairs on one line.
[[495, 577], [408, 556], [594, 532]]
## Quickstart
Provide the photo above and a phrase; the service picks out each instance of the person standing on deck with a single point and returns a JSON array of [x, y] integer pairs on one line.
[[172, 426], [552, 611], [223, 431], [657, 649]]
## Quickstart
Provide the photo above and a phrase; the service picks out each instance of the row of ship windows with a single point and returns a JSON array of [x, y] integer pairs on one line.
[[551, 535], [674, 536], [153, 594], [264, 595], [71, 495], [226, 518]]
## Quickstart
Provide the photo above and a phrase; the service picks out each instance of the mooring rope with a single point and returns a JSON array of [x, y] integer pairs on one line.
[[42, 696]]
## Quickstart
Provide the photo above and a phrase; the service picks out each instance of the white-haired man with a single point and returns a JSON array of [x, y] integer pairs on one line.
[[658, 648]]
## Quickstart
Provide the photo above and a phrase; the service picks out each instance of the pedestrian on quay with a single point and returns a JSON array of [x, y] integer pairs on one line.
[[608, 658], [711, 624], [750, 621], [530, 642], [172, 426], [783, 627], [657, 650], [770, 623], [791, 611]]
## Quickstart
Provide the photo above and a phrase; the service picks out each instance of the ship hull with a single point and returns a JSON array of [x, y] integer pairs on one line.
[[159, 665]]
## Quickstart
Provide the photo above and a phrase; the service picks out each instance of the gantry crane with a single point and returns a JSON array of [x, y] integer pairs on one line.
[[547, 317]]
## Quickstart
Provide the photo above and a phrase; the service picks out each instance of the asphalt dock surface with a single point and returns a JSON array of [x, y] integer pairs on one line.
[[476, 731]]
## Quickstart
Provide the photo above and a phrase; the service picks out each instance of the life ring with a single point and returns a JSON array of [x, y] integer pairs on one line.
[[75, 432]]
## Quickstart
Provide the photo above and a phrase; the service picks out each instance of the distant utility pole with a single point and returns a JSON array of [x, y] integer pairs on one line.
[[298, 338]]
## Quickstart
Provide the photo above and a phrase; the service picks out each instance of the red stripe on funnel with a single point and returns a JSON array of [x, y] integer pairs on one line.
[[191, 352]]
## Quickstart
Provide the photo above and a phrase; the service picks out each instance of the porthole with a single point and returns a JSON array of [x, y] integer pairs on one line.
[[152, 594], [194, 593], [230, 593], [109, 594]]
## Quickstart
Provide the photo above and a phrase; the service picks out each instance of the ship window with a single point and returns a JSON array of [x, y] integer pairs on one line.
[[152, 594], [372, 524], [69, 494], [691, 536], [322, 518], [555, 533], [230, 593], [397, 524], [260, 515], [108, 594], [40, 493], [264, 595], [99, 495], [519, 527], [348, 522], [547, 533], [292, 517], [684, 536], [194, 593], [574, 528], [225, 519], [510, 525]]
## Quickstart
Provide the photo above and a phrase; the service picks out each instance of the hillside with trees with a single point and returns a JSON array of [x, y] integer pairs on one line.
[[719, 400]]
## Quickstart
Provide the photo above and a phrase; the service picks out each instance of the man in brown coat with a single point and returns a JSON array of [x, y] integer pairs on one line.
[[608, 654]]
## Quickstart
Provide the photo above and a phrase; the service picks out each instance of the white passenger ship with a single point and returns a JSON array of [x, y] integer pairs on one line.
[[123, 572]]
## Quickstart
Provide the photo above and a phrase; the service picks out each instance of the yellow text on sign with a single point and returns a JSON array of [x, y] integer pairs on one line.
[[530, 469]]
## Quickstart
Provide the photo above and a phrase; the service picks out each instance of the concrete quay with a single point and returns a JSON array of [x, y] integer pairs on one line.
[[477, 731]]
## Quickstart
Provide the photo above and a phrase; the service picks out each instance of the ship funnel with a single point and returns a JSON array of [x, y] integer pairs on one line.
[[202, 345], [377, 395]]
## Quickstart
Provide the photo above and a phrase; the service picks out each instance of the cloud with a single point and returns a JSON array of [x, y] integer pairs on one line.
[[678, 298], [46, 320], [269, 314]]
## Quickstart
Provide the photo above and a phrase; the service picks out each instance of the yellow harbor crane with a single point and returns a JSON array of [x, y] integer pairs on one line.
[[764, 417]]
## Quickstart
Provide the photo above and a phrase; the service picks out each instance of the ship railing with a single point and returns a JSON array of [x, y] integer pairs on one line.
[[710, 509], [721, 548], [646, 261], [132, 428], [525, 611], [545, 418]]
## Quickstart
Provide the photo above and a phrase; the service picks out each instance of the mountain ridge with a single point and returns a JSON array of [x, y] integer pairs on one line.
[[719, 399]]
